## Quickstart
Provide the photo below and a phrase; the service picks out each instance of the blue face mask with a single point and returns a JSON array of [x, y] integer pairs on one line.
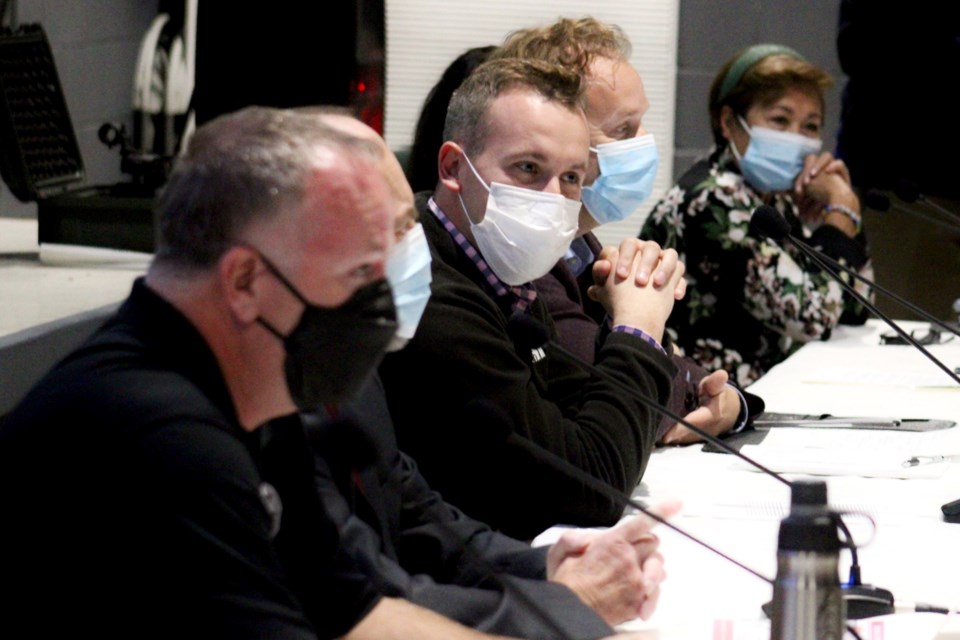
[[408, 272], [774, 158], [627, 170]]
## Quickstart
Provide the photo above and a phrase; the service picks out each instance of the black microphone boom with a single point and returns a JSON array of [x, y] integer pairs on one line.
[[767, 222], [760, 228], [495, 416], [909, 192], [529, 333], [880, 202]]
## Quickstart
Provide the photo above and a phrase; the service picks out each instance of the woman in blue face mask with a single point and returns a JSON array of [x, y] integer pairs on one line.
[[751, 302]]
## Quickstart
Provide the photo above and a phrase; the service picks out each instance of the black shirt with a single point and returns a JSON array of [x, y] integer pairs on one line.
[[135, 505]]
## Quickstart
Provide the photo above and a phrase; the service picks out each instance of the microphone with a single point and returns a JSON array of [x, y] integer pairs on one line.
[[766, 222], [771, 227], [909, 192], [880, 202], [528, 332], [500, 425]]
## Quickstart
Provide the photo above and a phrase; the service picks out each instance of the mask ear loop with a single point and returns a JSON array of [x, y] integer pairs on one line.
[[289, 287], [460, 195], [733, 145], [283, 280]]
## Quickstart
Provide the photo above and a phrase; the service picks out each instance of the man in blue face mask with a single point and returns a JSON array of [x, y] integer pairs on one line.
[[505, 209], [619, 179]]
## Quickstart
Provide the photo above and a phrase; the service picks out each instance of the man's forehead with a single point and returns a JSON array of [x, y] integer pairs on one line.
[[521, 117], [389, 167], [614, 90], [392, 169], [353, 190], [534, 127]]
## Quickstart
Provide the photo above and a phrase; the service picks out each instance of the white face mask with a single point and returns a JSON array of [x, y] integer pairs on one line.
[[409, 275], [523, 232]]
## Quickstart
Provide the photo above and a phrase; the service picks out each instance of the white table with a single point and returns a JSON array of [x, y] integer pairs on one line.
[[913, 552], [50, 300]]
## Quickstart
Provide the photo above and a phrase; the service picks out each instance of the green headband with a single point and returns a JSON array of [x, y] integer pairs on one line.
[[747, 59]]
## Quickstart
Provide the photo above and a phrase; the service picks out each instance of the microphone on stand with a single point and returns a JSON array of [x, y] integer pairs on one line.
[[766, 222], [767, 226], [528, 332], [909, 192], [500, 425], [880, 202]]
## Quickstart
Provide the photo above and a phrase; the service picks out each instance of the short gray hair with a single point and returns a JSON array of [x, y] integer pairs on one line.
[[239, 168]]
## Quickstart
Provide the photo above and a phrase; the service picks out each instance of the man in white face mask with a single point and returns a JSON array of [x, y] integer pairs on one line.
[[471, 404], [379, 500], [619, 180]]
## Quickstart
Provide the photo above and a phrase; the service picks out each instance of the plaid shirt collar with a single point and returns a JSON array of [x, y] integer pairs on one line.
[[523, 295]]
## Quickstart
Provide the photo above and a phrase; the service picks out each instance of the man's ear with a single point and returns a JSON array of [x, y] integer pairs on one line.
[[237, 271], [448, 165]]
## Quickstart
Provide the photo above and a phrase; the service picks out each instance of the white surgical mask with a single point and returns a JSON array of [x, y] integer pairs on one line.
[[627, 170], [523, 232], [774, 158], [408, 272]]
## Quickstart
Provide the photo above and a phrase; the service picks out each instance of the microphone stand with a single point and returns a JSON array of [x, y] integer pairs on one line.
[[600, 486], [821, 261], [835, 265], [535, 336], [879, 202], [908, 193], [926, 217], [553, 459]]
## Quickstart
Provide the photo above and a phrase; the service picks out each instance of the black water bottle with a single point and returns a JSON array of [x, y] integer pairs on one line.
[[807, 602]]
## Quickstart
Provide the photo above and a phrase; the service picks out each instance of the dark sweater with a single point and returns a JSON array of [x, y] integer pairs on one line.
[[476, 410]]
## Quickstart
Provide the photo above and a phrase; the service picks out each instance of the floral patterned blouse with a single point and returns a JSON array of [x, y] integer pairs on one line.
[[750, 303]]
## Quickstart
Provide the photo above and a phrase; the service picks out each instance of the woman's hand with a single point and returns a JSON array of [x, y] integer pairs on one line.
[[826, 180]]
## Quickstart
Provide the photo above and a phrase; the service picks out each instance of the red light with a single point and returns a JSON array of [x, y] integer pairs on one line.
[[361, 86]]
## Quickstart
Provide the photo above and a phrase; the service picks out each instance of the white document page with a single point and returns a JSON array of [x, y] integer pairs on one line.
[[868, 453]]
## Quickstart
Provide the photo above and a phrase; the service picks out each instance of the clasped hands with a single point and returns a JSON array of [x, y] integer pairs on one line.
[[637, 283], [616, 571], [825, 180]]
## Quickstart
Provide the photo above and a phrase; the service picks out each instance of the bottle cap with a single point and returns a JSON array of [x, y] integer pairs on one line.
[[808, 493], [810, 525]]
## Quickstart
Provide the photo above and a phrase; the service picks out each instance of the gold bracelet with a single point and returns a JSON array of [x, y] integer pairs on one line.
[[847, 211]]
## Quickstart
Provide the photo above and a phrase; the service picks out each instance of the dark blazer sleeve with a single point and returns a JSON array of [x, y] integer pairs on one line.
[[498, 602], [465, 570], [412, 545]]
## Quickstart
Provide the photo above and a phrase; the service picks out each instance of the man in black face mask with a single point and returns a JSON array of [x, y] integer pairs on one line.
[[140, 497]]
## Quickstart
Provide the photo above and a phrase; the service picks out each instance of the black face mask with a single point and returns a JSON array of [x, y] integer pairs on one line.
[[332, 351]]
